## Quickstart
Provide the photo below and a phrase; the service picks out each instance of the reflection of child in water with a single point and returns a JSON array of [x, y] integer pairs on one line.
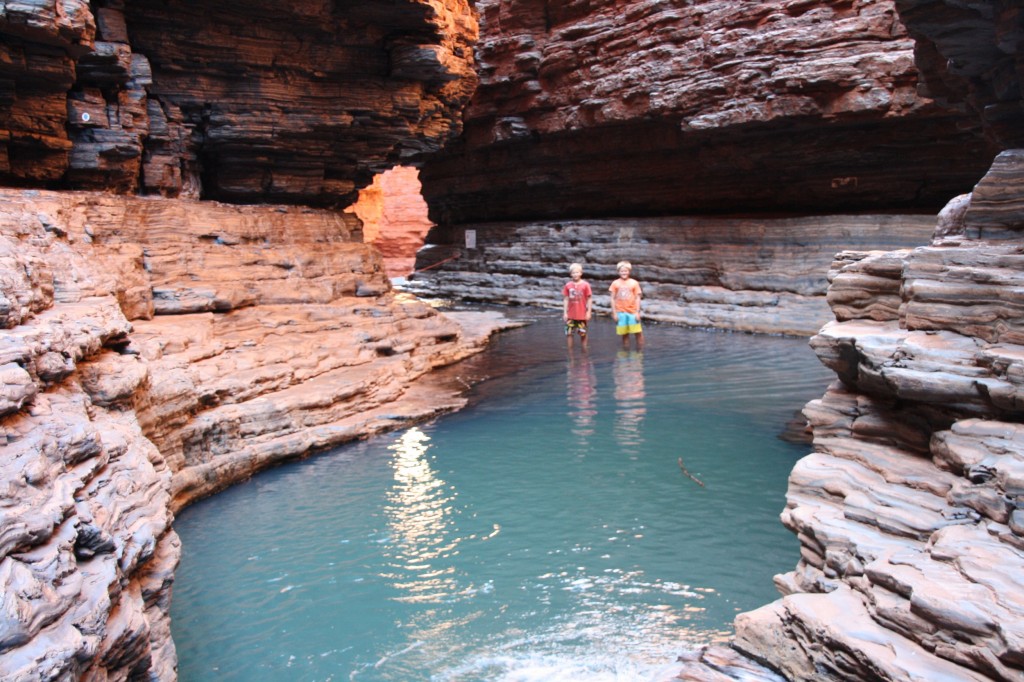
[[626, 295], [582, 393], [628, 373], [576, 305]]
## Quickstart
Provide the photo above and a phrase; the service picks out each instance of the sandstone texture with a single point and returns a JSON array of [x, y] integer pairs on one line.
[[745, 274], [909, 511], [257, 101], [648, 107], [155, 351], [706, 143], [394, 217]]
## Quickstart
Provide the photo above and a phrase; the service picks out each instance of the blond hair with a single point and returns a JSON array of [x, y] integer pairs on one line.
[[624, 264], [575, 266]]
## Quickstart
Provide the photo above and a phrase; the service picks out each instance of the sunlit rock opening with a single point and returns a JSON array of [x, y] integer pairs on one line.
[[184, 300], [394, 217]]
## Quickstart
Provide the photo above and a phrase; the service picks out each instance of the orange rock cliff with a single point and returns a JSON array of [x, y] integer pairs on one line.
[[187, 297]]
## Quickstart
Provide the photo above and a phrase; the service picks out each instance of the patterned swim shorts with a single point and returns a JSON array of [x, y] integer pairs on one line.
[[579, 326]]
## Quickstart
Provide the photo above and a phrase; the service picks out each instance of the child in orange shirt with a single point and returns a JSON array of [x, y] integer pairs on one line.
[[626, 295]]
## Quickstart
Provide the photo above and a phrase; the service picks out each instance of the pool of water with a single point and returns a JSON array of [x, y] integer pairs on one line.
[[546, 532]]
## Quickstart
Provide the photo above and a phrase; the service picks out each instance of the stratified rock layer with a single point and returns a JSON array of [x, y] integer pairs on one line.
[[155, 351], [972, 53], [765, 275], [298, 102], [910, 511], [662, 108]]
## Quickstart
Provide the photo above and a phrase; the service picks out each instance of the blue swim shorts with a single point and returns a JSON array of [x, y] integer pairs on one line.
[[627, 324]]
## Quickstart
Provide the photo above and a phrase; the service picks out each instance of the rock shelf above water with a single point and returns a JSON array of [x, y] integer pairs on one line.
[[910, 510], [156, 351]]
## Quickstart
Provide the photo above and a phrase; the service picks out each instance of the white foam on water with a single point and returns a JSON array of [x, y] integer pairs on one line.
[[538, 667]]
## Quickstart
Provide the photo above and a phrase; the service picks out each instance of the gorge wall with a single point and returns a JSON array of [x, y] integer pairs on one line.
[[247, 102], [155, 349], [645, 107], [910, 510], [756, 274], [159, 350], [672, 133], [703, 142]]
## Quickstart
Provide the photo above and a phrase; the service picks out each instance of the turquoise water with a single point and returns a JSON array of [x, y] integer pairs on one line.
[[546, 532]]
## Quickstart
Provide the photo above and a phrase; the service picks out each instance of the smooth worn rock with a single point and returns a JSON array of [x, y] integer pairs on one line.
[[394, 217], [258, 334], [907, 511]]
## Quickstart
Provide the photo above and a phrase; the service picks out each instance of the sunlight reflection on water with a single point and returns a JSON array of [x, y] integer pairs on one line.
[[544, 533]]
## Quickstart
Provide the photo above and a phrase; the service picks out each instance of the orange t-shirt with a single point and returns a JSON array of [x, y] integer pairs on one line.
[[626, 295]]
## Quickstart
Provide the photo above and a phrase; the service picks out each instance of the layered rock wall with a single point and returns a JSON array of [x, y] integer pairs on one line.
[[644, 107], [155, 351], [722, 135], [972, 54], [910, 511], [253, 101], [746, 274]]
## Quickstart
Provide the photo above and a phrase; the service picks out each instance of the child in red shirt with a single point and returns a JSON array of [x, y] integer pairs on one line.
[[576, 305]]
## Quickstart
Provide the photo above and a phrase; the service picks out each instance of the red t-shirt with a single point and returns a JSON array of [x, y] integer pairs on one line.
[[578, 294]]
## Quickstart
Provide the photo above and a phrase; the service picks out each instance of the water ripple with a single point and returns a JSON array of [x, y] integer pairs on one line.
[[546, 533]]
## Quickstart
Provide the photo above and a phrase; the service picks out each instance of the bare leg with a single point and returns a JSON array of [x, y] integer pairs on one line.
[[639, 340]]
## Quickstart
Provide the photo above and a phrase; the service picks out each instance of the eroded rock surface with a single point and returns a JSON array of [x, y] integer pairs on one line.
[[155, 351], [394, 217], [747, 274], [971, 54], [909, 511], [646, 108], [298, 102]]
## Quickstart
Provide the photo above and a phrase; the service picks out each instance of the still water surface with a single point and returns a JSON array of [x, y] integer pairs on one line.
[[546, 532]]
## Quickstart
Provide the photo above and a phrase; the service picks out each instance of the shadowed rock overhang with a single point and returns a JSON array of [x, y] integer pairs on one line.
[[683, 108], [246, 102]]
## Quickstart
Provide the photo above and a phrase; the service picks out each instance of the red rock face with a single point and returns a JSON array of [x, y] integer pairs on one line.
[[909, 508], [245, 102], [650, 107], [394, 217], [155, 351]]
